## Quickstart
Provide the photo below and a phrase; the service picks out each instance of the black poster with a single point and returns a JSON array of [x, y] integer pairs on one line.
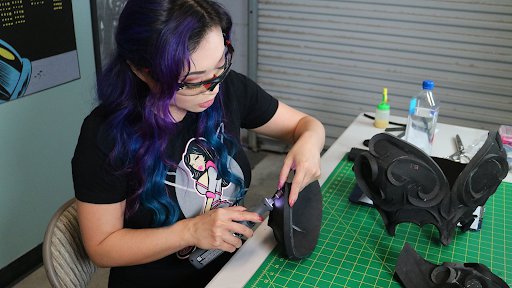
[[37, 46]]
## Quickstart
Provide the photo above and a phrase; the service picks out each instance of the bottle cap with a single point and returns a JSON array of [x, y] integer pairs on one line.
[[384, 104], [428, 85]]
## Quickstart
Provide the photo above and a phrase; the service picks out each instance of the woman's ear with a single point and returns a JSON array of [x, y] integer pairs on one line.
[[140, 73], [143, 74]]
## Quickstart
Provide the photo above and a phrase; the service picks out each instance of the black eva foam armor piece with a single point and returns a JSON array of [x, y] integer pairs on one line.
[[297, 228], [412, 271], [407, 185]]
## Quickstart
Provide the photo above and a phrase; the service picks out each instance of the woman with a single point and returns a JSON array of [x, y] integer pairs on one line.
[[169, 83]]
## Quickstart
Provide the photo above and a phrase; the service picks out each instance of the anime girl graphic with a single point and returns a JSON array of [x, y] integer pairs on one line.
[[198, 185], [199, 158]]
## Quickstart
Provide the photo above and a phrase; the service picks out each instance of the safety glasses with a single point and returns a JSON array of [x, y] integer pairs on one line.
[[193, 89]]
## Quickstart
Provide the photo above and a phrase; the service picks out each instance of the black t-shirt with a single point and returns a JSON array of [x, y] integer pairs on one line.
[[194, 185]]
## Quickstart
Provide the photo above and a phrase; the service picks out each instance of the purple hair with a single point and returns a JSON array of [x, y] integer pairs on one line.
[[157, 36]]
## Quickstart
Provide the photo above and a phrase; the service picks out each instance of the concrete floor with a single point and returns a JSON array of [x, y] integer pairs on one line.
[[266, 168]]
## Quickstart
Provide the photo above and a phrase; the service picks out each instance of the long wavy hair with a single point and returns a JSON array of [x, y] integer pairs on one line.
[[158, 36]]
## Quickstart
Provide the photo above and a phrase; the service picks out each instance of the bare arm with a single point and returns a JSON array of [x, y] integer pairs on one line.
[[308, 136], [108, 244]]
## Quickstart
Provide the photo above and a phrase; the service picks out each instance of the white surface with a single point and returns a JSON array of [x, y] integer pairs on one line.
[[241, 267]]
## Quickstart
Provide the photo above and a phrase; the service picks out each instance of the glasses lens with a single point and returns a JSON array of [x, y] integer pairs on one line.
[[217, 80], [192, 89]]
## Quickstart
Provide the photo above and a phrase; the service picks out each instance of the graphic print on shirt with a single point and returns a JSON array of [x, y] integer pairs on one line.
[[199, 188]]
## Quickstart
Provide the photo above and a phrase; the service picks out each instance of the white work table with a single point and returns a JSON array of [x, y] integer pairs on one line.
[[241, 267]]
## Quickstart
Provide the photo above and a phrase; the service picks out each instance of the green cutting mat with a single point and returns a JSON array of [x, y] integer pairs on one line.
[[354, 250]]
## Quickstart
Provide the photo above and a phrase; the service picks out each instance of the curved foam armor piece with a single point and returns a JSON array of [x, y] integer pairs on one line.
[[407, 185], [412, 271], [297, 228]]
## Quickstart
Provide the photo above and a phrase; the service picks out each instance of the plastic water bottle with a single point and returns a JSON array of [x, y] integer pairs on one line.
[[422, 119]]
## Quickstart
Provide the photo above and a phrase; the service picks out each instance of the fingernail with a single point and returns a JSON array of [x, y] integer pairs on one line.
[[292, 202], [280, 185], [261, 219]]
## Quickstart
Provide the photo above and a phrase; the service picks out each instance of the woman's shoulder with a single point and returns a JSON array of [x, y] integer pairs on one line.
[[237, 80], [254, 105], [94, 128], [234, 75], [96, 117], [238, 87]]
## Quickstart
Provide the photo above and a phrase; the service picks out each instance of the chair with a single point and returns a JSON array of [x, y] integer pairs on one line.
[[65, 260]]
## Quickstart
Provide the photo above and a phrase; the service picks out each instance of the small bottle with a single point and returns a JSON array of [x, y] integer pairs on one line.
[[422, 118], [382, 112]]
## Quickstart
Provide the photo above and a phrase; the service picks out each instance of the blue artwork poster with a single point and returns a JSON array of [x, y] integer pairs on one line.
[[37, 46]]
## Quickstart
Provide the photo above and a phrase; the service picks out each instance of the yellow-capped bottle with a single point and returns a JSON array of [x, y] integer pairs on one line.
[[382, 112]]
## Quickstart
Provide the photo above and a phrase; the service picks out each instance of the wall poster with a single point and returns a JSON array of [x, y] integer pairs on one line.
[[37, 46]]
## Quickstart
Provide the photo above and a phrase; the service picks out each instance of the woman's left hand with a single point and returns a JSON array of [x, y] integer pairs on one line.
[[307, 135], [304, 160]]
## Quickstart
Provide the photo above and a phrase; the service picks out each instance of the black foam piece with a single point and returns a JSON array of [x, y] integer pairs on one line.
[[412, 271], [297, 228], [407, 185]]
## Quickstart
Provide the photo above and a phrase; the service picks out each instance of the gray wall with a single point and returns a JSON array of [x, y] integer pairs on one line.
[[38, 134]]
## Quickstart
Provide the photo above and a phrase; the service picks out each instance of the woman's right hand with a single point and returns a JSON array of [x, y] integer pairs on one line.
[[215, 229]]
